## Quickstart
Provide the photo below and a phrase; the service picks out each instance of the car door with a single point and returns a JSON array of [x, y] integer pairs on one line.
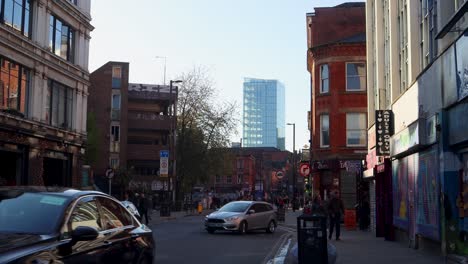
[[117, 230], [83, 213], [254, 220], [263, 216]]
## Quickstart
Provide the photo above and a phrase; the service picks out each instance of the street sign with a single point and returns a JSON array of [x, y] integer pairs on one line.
[[304, 169], [279, 174], [164, 163], [110, 173]]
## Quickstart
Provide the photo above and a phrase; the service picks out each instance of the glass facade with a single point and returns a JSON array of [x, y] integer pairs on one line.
[[264, 113]]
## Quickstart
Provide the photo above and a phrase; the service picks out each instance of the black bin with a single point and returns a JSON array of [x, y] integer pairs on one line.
[[165, 210], [312, 239]]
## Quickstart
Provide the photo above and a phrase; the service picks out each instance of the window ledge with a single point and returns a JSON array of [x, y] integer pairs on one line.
[[324, 94], [356, 92]]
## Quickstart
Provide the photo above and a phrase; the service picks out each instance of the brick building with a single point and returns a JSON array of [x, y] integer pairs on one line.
[[135, 123], [44, 83], [336, 61]]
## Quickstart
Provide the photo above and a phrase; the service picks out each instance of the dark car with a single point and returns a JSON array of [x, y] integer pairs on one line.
[[57, 225]]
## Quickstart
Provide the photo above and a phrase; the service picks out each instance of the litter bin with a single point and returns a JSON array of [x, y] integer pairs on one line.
[[312, 239], [165, 210]]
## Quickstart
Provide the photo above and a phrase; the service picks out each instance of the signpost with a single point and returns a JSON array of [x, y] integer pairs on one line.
[[279, 174], [304, 170], [164, 163], [110, 175]]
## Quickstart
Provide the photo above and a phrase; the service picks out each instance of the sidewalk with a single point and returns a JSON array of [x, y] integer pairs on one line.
[[362, 247]]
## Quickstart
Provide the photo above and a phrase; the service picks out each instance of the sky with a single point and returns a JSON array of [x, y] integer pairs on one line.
[[231, 39]]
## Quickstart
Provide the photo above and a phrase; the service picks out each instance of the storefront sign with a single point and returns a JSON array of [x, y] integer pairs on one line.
[[406, 139], [384, 131]]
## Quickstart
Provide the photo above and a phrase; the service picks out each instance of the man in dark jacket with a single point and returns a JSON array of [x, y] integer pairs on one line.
[[335, 211]]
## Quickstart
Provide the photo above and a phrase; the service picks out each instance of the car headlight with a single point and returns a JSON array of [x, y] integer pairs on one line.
[[232, 218]]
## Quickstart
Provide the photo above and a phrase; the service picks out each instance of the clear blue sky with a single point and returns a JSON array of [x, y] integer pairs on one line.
[[233, 39]]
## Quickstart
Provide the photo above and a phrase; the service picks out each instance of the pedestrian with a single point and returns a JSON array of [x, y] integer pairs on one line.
[[143, 207], [335, 210], [317, 205]]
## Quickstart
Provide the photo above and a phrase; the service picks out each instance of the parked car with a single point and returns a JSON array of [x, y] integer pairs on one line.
[[60, 225], [131, 208], [242, 216]]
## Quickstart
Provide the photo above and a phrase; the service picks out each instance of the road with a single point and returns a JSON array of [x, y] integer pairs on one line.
[[185, 241]]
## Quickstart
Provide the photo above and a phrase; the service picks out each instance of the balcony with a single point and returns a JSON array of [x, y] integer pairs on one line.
[[150, 121], [146, 152]]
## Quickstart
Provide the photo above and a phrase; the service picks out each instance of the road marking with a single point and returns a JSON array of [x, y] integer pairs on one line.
[[281, 256]]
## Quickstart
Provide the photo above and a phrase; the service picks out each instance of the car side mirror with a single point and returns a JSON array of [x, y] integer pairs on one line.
[[84, 233], [251, 212]]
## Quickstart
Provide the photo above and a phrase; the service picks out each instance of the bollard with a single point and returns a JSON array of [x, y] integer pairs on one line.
[[200, 208]]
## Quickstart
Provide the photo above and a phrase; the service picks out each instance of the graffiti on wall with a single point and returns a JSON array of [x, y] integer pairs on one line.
[[427, 193], [400, 196]]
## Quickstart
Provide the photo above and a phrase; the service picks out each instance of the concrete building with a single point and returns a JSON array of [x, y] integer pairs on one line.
[[44, 50], [135, 123], [417, 73], [264, 114], [336, 61]]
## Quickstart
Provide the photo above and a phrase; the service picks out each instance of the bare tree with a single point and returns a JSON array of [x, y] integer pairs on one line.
[[204, 127]]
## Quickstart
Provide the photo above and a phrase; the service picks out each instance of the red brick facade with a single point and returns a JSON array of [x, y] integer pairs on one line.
[[335, 37]]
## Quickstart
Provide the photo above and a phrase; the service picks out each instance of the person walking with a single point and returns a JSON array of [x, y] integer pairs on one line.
[[143, 207], [335, 211]]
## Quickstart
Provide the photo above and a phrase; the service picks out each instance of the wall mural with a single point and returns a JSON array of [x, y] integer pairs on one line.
[[456, 209], [400, 197], [427, 193]]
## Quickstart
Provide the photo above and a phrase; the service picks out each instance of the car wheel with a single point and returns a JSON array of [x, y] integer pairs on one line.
[[243, 228], [210, 230], [271, 227]]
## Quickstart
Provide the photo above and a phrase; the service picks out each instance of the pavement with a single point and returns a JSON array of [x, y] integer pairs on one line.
[[360, 247]]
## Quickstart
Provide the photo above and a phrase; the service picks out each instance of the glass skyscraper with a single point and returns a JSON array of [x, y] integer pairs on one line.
[[263, 116]]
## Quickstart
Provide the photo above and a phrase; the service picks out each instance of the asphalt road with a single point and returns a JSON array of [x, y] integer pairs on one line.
[[185, 241]]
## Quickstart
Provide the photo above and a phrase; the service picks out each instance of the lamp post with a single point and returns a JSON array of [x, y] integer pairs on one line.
[[172, 113], [165, 58], [294, 159]]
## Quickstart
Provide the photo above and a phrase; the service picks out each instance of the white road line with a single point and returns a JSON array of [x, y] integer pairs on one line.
[[281, 256]]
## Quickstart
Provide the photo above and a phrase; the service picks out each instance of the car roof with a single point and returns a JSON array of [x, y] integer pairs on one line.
[[66, 192]]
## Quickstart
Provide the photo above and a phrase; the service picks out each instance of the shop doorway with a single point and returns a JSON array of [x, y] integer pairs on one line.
[[56, 172], [11, 170]]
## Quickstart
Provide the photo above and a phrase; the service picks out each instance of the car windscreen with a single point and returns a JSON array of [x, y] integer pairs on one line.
[[235, 207], [30, 213]]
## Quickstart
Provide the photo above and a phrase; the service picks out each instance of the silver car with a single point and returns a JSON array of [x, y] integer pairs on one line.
[[242, 216]]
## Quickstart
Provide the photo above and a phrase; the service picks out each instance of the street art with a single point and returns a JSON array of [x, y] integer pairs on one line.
[[427, 192], [400, 197], [462, 68]]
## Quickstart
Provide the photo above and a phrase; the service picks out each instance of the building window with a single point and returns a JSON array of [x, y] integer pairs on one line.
[[356, 129], [229, 179], [61, 39], [356, 76], [60, 105], [116, 102], [324, 79], [75, 2], [404, 50], [239, 179], [116, 77], [324, 131], [14, 83], [115, 132], [17, 14], [240, 164], [218, 179], [114, 163]]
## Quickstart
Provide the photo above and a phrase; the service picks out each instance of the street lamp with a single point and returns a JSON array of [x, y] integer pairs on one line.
[[294, 159], [172, 100], [165, 58]]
